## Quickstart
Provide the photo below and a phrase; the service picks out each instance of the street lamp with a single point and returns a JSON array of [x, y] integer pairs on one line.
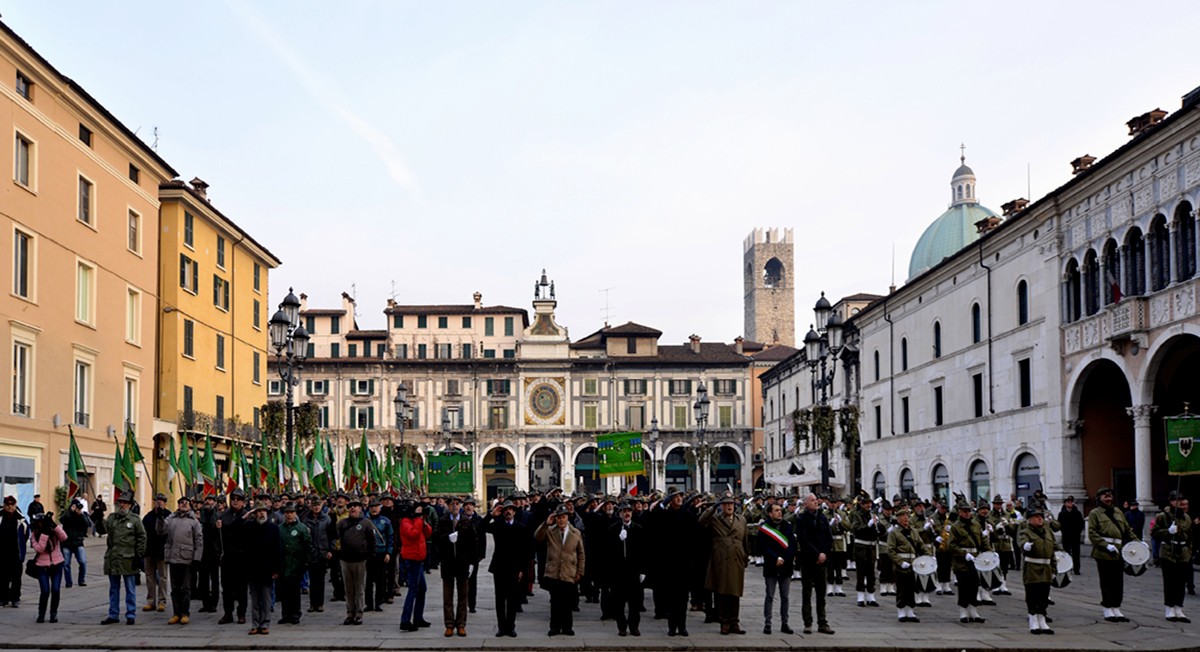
[[290, 341], [654, 432], [446, 433], [700, 412], [821, 347], [400, 402]]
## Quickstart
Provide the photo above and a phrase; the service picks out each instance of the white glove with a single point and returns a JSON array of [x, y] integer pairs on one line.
[[1112, 548], [470, 569], [938, 539], [970, 557], [890, 528], [1173, 529], [623, 535], [641, 578], [1017, 517], [873, 522], [928, 525], [454, 537], [1028, 546], [905, 565]]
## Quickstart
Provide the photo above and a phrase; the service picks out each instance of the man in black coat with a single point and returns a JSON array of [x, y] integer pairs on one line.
[[458, 554], [262, 537], [231, 524], [1070, 519], [208, 573], [468, 511], [674, 535], [814, 541], [778, 547], [625, 553], [511, 556]]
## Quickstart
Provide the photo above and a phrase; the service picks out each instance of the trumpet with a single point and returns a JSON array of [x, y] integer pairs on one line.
[[945, 535]]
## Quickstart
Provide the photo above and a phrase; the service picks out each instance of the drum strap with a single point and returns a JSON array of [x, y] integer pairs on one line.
[[1031, 560], [1115, 542], [971, 550], [905, 555]]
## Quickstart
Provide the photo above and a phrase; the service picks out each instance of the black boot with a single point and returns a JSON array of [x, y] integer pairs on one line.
[[42, 599], [54, 595]]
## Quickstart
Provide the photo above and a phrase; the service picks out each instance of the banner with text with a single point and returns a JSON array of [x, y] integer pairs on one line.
[[620, 454], [450, 473], [1183, 438]]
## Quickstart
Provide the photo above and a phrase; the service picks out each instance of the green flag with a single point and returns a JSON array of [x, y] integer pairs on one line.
[[208, 467], [1183, 441], [184, 463], [172, 463], [364, 459], [118, 477], [75, 466]]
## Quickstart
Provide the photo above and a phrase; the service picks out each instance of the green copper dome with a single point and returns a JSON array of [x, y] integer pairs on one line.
[[948, 234]]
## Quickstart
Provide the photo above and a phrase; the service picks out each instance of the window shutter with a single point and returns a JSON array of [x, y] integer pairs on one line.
[[688, 387], [371, 417], [489, 388], [626, 384], [371, 387], [353, 421], [352, 388], [733, 386], [308, 387], [196, 278]]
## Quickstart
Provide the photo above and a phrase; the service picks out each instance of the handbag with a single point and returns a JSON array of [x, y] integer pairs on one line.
[[32, 569]]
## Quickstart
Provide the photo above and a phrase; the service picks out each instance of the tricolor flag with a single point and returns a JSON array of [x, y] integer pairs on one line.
[[75, 466], [1114, 287]]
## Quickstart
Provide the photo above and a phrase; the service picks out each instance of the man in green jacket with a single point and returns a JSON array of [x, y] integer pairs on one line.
[[297, 555], [126, 542], [1107, 532], [1173, 530], [1038, 547]]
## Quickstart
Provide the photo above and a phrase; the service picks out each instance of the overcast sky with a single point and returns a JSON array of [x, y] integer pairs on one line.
[[428, 150]]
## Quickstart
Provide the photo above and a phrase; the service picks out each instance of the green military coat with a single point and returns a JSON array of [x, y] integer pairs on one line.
[[126, 543], [966, 537], [904, 545], [1106, 528], [1174, 547], [1039, 565], [297, 548]]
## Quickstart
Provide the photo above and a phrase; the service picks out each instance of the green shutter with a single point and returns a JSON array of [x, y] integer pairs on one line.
[[371, 417], [371, 387], [353, 421], [489, 388], [308, 387]]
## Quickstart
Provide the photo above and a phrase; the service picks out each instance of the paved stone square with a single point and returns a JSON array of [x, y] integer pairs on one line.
[[1077, 621]]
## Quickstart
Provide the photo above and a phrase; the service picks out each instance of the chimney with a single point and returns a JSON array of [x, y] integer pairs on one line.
[[200, 187], [1015, 206], [1145, 121], [478, 296], [1082, 163], [737, 344], [987, 224], [695, 342]]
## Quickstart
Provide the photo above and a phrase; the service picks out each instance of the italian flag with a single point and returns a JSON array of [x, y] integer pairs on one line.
[[775, 535]]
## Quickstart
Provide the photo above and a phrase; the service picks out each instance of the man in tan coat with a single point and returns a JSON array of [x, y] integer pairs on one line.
[[564, 568], [727, 563]]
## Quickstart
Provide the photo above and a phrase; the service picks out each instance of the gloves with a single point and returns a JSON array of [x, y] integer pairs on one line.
[[454, 537], [890, 528], [1173, 529], [470, 569], [623, 535], [938, 539], [905, 565], [1028, 546], [970, 557], [1112, 548], [928, 525], [641, 578]]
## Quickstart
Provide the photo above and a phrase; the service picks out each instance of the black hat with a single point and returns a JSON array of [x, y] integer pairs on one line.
[[10, 500], [508, 504], [997, 500], [470, 500], [624, 506], [963, 506], [1071, 498], [354, 501], [184, 499], [160, 496], [1034, 511], [237, 494], [290, 507], [727, 499], [561, 510], [125, 497], [1104, 490]]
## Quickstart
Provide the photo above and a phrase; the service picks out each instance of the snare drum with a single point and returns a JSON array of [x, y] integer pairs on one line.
[[1136, 555], [1063, 566], [925, 567], [988, 566]]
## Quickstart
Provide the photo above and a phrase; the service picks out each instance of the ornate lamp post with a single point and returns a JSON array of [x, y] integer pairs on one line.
[[446, 433], [400, 402], [700, 412], [654, 432], [290, 341], [821, 348]]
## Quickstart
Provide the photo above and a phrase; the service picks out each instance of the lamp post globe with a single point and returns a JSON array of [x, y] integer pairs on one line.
[[291, 308]]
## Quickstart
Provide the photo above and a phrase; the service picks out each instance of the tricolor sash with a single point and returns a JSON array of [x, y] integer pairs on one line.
[[775, 535]]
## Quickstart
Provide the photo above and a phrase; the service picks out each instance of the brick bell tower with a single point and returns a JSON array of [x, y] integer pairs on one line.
[[770, 293]]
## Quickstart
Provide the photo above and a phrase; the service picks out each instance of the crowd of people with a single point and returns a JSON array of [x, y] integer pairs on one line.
[[243, 558]]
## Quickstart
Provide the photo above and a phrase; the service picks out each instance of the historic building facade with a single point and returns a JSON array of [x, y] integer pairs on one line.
[[526, 400], [79, 213]]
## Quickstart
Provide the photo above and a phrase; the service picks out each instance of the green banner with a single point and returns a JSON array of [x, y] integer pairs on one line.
[[450, 473], [1183, 440], [620, 454]]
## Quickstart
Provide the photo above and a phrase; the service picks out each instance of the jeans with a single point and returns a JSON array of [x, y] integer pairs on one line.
[[414, 598], [80, 556], [49, 581], [784, 582], [114, 596]]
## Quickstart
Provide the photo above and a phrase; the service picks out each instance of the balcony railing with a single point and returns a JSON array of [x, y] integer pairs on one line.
[[21, 409], [83, 419], [199, 422]]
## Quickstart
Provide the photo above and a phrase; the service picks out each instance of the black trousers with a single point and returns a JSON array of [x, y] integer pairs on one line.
[[864, 568], [208, 583], [287, 590], [509, 591], [675, 596], [1006, 562], [316, 583], [1175, 575], [627, 598], [905, 589], [1072, 545], [1037, 598], [335, 576], [812, 580], [728, 609], [560, 603], [181, 589], [835, 566], [10, 580], [377, 589], [1112, 582], [943, 566], [608, 602], [233, 587], [886, 574], [968, 587], [473, 587]]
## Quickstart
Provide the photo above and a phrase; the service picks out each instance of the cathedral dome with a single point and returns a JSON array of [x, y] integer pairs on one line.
[[955, 228]]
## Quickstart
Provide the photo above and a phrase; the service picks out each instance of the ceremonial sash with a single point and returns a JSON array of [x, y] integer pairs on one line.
[[776, 535]]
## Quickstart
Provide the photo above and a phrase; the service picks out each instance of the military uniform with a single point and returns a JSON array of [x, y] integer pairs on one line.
[[967, 541], [1003, 531], [861, 523], [904, 545], [922, 525], [836, 564], [1107, 532], [941, 538], [1038, 545], [1173, 530], [883, 525]]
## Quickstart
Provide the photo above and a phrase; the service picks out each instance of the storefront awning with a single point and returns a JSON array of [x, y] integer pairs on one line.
[[800, 481]]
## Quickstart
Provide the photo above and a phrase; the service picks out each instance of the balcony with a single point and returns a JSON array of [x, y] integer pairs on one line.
[[20, 409], [1119, 323], [83, 419]]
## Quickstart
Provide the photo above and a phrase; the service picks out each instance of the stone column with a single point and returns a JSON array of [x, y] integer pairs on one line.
[[1141, 450]]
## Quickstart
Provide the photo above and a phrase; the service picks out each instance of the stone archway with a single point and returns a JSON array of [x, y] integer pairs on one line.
[[545, 468], [726, 474], [499, 471], [587, 471], [1172, 378], [1105, 430]]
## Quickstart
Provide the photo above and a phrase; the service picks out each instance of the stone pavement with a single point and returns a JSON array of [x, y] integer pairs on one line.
[[1078, 624]]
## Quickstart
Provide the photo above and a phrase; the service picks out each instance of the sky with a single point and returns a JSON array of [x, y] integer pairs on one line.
[[424, 151]]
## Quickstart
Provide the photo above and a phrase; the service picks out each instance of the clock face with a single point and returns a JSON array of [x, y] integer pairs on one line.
[[544, 402]]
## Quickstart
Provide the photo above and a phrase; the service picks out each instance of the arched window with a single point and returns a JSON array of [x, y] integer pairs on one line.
[[980, 482], [907, 483], [1071, 291], [773, 273], [1160, 254], [960, 192], [941, 483], [976, 323], [1091, 282], [1135, 263], [904, 354], [876, 364], [1112, 273], [937, 339], [1185, 241], [1022, 303], [880, 485]]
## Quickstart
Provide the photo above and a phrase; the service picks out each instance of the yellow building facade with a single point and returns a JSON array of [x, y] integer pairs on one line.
[[78, 216], [212, 324]]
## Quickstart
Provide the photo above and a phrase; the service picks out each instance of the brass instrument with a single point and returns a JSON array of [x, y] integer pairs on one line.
[[945, 535]]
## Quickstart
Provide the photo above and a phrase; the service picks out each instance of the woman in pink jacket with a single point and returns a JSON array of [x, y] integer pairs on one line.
[[47, 537]]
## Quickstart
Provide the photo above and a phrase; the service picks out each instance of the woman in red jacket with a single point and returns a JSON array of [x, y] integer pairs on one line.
[[414, 530]]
